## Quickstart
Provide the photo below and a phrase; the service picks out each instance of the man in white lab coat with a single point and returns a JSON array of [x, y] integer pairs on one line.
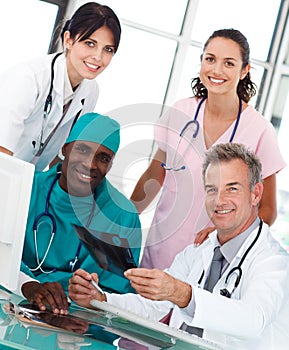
[[248, 307]]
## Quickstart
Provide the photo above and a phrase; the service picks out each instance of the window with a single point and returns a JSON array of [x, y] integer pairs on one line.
[[212, 15], [163, 15], [158, 56], [24, 36], [160, 53]]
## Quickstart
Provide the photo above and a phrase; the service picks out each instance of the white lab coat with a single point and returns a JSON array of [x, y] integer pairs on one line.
[[23, 91], [257, 315]]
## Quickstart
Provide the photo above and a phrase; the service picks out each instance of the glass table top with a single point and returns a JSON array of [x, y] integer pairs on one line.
[[103, 329]]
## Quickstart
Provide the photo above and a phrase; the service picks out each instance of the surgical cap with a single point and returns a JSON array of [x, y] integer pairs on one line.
[[96, 128]]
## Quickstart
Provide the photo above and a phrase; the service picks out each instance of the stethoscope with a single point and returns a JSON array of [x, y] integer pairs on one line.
[[74, 263], [232, 283], [196, 126], [46, 108]]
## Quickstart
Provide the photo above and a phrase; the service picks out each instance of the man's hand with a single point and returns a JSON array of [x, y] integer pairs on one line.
[[203, 235], [46, 294], [158, 285], [82, 291]]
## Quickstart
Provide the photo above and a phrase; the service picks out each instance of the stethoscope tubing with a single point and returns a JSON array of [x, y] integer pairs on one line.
[[197, 127], [46, 213], [54, 227], [244, 257], [47, 107], [237, 269], [48, 100]]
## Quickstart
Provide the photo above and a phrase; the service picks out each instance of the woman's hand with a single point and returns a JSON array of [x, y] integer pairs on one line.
[[203, 235]]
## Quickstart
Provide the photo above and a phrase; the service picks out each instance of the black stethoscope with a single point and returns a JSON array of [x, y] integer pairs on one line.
[[39, 145], [46, 108], [232, 283], [196, 126], [74, 263]]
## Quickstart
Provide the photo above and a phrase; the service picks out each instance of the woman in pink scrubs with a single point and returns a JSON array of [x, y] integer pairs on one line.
[[220, 108]]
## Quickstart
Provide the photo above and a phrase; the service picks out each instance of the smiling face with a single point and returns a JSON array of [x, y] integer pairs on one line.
[[84, 167], [230, 203], [88, 58], [221, 66]]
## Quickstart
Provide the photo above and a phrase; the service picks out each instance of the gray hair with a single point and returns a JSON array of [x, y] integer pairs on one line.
[[225, 152]]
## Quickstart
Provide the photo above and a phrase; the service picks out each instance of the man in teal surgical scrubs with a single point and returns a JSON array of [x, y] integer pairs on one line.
[[79, 181]]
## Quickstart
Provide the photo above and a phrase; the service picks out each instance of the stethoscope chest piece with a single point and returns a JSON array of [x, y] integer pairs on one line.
[[231, 282], [233, 277], [47, 221]]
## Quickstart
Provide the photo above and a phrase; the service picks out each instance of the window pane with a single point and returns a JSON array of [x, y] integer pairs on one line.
[[212, 15], [191, 70], [27, 33], [280, 105], [280, 229], [281, 110], [256, 77], [286, 61], [138, 73], [166, 15]]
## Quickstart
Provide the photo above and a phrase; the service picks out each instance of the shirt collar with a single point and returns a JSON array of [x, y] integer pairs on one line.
[[231, 248]]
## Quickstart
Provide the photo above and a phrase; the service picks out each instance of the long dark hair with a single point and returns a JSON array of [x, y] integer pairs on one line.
[[246, 89], [90, 17]]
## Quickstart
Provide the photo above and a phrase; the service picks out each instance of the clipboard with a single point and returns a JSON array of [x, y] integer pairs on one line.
[[109, 250]]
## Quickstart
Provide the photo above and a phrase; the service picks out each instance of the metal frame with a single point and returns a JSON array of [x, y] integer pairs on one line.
[[62, 8], [274, 66], [279, 68]]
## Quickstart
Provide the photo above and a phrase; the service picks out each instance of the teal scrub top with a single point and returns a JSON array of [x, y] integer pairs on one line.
[[113, 213]]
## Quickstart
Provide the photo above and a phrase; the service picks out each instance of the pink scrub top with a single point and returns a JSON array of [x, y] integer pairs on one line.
[[180, 213]]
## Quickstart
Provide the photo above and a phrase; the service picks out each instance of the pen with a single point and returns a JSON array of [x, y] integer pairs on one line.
[[96, 286]]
